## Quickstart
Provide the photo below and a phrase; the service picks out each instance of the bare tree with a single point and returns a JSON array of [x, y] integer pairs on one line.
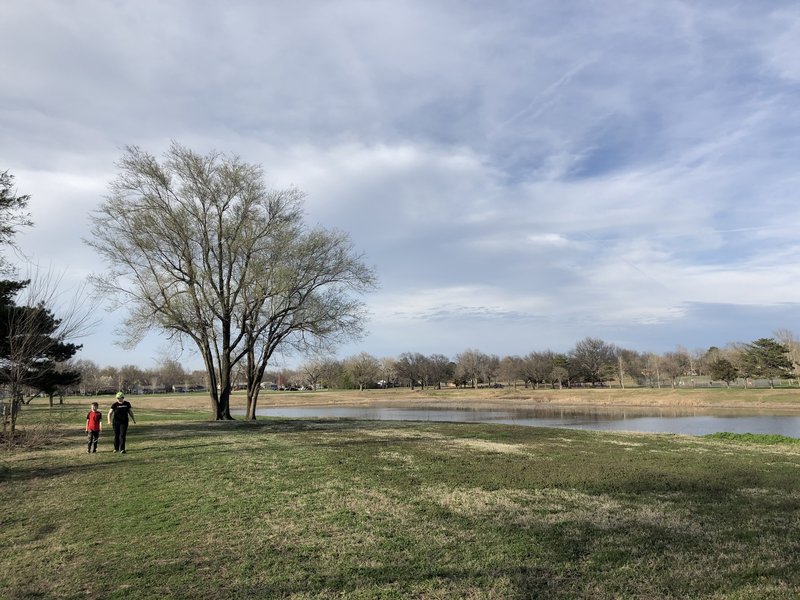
[[538, 366], [90, 376], [511, 369], [364, 369], [310, 302], [437, 368], [470, 365], [594, 359], [388, 371], [411, 367], [205, 252], [675, 364], [313, 370], [652, 370], [171, 374]]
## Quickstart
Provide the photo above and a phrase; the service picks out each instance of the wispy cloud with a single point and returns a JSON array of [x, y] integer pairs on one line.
[[521, 175]]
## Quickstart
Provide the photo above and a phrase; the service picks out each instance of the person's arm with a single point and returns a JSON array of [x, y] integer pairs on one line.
[[110, 412], [130, 412], [87, 424]]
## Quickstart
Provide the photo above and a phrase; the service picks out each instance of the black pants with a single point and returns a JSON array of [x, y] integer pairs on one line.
[[91, 440], [120, 430]]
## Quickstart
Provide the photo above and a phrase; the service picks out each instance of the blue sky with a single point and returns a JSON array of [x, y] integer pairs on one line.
[[520, 174]]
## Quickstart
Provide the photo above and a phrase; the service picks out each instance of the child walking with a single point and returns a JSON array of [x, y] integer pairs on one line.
[[94, 422]]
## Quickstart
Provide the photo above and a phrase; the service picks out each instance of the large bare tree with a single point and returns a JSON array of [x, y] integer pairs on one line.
[[200, 248]]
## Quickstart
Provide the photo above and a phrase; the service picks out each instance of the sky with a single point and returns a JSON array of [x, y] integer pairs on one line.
[[521, 175]]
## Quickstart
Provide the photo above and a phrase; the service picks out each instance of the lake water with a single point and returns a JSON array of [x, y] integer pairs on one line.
[[653, 420]]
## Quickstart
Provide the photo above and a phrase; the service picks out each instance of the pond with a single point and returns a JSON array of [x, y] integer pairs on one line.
[[651, 420]]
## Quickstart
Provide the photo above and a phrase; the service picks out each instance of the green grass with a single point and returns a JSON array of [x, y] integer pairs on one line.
[[355, 509], [754, 438]]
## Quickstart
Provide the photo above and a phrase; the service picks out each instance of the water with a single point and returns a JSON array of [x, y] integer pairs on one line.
[[652, 420]]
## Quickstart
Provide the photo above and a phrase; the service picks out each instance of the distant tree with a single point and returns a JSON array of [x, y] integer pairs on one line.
[[561, 369], [537, 367], [652, 369], [629, 363], [721, 368], [129, 377], [312, 370], [789, 339], [593, 359], [767, 358], [511, 369], [470, 365], [56, 381], [363, 369], [675, 364], [437, 368], [332, 372], [13, 215], [410, 366], [90, 376], [198, 379], [388, 367], [109, 376], [559, 375], [490, 367], [171, 373]]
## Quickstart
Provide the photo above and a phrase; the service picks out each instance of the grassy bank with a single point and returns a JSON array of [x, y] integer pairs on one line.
[[785, 399], [322, 509]]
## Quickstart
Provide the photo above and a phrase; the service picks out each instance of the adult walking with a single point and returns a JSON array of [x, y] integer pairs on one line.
[[118, 416]]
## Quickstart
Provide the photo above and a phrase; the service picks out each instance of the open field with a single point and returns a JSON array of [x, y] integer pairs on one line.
[[352, 509], [779, 399]]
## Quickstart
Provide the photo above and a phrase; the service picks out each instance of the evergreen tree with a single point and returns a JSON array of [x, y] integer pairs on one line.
[[768, 359], [723, 369], [31, 348]]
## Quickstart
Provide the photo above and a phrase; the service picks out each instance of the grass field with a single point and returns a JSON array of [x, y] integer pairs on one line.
[[762, 398], [355, 509]]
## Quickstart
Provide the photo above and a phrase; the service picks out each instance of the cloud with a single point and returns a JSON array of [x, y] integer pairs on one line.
[[519, 174]]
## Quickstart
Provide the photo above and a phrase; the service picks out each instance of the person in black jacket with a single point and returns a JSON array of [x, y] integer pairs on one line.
[[118, 417]]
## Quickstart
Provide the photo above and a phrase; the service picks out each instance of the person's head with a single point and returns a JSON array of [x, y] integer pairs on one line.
[[120, 396], [95, 405]]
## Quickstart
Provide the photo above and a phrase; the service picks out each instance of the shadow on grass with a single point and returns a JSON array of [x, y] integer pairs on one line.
[[260, 427], [143, 440]]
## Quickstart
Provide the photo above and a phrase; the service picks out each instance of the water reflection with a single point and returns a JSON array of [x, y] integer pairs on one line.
[[653, 420]]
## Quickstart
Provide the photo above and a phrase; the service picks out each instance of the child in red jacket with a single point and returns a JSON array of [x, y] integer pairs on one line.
[[94, 423]]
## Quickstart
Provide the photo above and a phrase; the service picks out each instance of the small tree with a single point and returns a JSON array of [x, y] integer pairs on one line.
[[33, 342], [364, 369], [723, 369]]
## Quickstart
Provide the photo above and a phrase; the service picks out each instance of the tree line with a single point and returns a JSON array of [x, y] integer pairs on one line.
[[591, 362]]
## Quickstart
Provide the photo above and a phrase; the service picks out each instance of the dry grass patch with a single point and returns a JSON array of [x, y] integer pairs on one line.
[[492, 447], [556, 506]]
